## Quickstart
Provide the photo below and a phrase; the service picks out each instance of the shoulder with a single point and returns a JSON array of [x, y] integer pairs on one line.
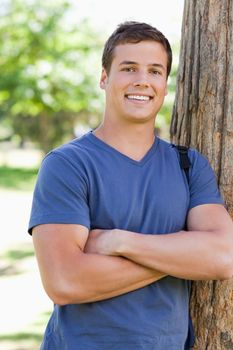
[[73, 154], [202, 178], [65, 165], [76, 148], [170, 150], [196, 158], [197, 162]]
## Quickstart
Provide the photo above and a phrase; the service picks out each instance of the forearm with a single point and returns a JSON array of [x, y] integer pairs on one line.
[[72, 275], [185, 254], [101, 277], [91, 277]]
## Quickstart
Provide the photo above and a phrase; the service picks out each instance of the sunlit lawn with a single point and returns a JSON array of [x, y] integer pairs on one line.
[[25, 308], [30, 339], [23, 312]]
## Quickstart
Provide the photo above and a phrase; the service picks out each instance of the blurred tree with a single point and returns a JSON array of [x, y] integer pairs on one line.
[[47, 68]]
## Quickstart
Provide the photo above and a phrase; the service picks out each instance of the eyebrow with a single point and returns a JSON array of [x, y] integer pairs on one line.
[[156, 65]]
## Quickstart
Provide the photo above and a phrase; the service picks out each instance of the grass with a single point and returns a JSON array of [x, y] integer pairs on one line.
[[14, 255], [29, 340], [11, 259], [13, 263], [21, 179], [19, 331]]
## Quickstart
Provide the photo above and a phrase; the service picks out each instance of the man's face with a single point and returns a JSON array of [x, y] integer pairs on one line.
[[137, 82]]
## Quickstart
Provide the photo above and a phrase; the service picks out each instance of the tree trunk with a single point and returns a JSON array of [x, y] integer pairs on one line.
[[203, 119]]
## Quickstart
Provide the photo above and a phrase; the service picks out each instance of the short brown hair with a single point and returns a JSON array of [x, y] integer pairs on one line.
[[134, 32]]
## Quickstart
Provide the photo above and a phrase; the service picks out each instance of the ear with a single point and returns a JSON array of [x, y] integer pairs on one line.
[[103, 79]]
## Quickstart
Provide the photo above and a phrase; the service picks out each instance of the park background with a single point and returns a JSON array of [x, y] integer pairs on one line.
[[50, 63]]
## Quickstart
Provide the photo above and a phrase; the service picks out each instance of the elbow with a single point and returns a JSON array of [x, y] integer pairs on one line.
[[225, 266], [64, 289], [62, 298], [224, 257], [227, 273], [64, 295], [55, 289], [58, 298], [68, 297], [57, 295]]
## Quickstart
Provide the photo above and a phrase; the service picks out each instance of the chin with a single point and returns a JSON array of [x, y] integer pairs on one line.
[[140, 119]]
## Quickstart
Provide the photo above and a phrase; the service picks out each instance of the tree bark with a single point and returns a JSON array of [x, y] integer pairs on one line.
[[203, 118]]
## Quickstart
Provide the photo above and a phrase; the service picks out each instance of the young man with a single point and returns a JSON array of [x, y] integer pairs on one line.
[[109, 213]]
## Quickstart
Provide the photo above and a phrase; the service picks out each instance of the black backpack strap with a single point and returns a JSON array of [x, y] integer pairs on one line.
[[185, 164], [184, 160]]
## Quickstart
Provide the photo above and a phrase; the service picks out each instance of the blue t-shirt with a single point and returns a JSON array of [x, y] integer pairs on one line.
[[88, 182]]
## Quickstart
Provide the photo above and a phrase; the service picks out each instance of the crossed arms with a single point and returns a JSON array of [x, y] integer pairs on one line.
[[78, 266]]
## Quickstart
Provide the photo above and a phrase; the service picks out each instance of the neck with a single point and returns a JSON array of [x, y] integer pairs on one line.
[[132, 140]]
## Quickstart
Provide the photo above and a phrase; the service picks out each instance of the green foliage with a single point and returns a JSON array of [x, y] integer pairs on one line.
[[17, 178], [47, 68], [164, 117]]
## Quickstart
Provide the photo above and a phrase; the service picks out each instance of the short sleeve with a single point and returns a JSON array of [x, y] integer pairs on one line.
[[203, 185], [60, 194]]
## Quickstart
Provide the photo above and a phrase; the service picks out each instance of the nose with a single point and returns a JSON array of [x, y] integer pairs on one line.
[[141, 80], [141, 84]]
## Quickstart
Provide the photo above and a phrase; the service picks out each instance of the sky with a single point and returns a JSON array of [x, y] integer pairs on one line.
[[105, 15]]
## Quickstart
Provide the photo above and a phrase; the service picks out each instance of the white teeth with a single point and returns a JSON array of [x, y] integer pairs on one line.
[[138, 97]]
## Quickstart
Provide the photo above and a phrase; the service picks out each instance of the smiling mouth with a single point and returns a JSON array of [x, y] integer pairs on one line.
[[138, 97]]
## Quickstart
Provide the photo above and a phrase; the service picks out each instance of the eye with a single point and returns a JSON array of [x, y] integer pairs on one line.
[[128, 69], [156, 72]]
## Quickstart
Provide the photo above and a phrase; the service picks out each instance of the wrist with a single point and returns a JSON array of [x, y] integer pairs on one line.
[[114, 242], [121, 237]]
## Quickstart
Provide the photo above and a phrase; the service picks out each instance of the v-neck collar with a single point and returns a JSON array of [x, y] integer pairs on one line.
[[98, 142]]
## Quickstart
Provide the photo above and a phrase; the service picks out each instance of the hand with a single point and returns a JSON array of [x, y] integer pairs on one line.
[[101, 242]]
